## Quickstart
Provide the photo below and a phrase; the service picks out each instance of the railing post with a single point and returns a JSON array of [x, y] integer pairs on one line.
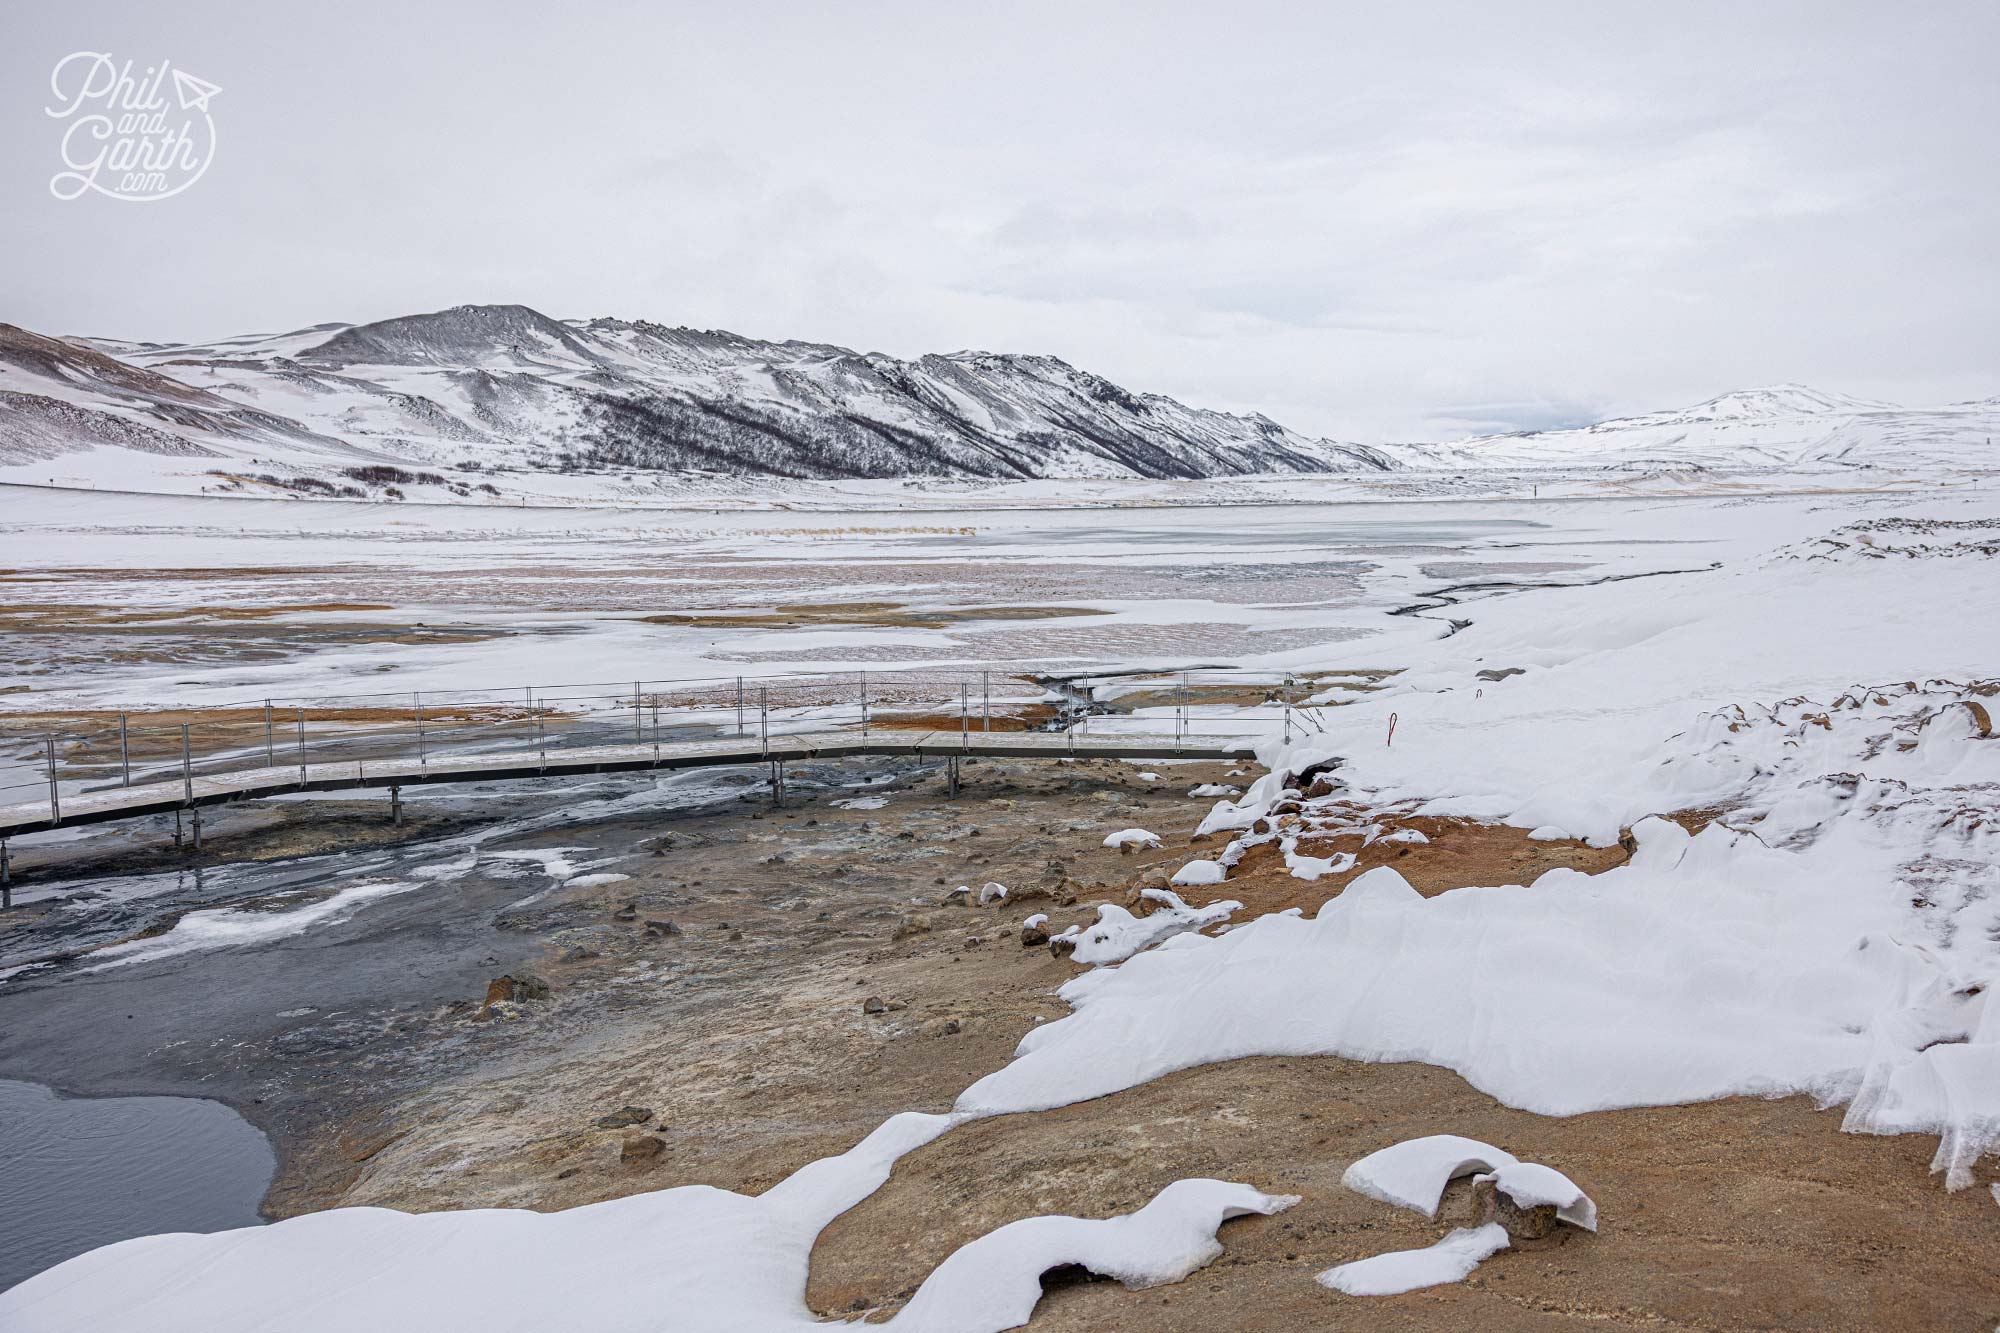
[[417, 704], [1287, 694], [302, 747], [638, 715], [986, 701], [124, 754], [1180, 715], [270, 738], [763, 719], [55, 790], [739, 705], [656, 729], [541, 738], [864, 707], [187, 766]]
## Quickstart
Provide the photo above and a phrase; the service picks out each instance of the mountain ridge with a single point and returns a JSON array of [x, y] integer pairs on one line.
[[480, 386]]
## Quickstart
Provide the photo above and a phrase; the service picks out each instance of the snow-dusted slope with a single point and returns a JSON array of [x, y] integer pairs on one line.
[[484, 386], [1786, 425]]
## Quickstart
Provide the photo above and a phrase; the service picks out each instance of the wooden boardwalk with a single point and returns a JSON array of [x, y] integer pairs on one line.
[[196, 791]]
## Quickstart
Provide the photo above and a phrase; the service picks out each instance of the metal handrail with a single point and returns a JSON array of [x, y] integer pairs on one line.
[[428, 724]]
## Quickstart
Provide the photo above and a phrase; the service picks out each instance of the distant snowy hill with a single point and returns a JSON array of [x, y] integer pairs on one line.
[[1787, 425], [482, 387]]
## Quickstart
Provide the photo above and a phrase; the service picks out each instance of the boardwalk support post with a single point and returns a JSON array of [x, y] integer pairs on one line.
[[270, 738], [124, 755], [777, 782], [6, 879], [187, 766], [951, 776], [396, 805], [195, 818], [55, 790]]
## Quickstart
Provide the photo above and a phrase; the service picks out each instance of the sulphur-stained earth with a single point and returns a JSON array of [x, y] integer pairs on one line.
[[765, 985]]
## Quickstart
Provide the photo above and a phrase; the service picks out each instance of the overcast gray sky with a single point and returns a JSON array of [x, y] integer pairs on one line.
[[1370, 222]]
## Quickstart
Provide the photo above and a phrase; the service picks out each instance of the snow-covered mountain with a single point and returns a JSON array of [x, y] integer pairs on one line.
[[482, 387], [1785, 425]]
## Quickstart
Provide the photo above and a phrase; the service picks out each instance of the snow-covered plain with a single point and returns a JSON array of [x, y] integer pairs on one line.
[[1815, 674], [1832, 933]]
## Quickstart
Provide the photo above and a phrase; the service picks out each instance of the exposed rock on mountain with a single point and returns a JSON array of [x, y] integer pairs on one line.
[[505, 386]]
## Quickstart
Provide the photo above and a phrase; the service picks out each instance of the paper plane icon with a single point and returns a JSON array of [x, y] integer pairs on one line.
[[193, 92]]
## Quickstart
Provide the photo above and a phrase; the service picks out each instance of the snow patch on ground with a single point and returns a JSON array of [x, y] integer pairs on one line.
[[693, 1256], [593, 881], [1118, 934], [1196, 873], [232, 927], [1764, 972], [1450, 1260]]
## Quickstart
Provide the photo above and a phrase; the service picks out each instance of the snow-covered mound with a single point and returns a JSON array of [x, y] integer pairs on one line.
[[443, 397], [1412, 1174], [1783, 426]]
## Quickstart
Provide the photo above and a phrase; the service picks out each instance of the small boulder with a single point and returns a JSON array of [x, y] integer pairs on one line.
[[658, 929], [1494, 1205], [641, 1149], [516, 990], [873, 1005], [625, 1117]]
